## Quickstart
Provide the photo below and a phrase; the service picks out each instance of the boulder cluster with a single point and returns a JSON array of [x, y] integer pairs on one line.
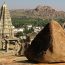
[[48, 45]]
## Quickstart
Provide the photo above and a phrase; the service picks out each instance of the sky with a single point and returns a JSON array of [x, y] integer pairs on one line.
[[31, 4]]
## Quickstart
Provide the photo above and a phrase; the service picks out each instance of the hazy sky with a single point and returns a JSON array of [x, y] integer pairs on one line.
[[29, 4]]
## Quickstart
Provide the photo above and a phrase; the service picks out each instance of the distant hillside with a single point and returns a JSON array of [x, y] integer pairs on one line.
[[39, 12]]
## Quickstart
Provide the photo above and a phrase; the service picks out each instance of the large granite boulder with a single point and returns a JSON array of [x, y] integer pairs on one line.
[[48, 45]]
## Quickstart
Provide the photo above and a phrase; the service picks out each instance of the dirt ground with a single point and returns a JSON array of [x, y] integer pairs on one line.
[[15, 60]]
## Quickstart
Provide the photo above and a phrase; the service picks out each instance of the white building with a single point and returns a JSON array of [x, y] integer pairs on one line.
[[18, 30], [29, 27], [37, 29]]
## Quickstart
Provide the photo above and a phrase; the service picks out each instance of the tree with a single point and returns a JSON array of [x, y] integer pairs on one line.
[[18, 34], [26, 31]]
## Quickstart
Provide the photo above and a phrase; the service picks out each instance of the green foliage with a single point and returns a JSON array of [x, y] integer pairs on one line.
[[26, 31], [60, 20], [18, 34], [31, 30], [19, 22]]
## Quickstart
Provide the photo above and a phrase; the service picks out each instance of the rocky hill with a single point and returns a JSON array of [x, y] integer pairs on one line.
[[38, 12]]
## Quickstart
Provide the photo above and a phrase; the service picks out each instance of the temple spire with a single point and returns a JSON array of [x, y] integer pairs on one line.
[[4, 1], [5, 21]]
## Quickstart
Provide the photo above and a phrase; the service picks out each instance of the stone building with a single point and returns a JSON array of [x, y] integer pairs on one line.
[[6, 29]]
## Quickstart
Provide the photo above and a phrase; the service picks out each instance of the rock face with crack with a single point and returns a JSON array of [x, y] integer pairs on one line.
[[48, 45]]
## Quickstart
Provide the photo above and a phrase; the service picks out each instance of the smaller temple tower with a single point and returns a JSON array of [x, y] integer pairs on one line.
[[6, 29]]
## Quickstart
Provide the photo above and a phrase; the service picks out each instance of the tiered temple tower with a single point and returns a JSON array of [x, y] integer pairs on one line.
[[5, 23]]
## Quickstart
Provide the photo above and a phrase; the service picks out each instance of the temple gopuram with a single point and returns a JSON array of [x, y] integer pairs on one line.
[[6, 28]]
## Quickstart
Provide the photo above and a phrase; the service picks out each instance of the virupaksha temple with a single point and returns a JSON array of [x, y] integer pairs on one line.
[[6, 29]]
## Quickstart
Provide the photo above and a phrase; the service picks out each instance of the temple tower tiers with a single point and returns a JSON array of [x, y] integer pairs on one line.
[[5, 23]]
